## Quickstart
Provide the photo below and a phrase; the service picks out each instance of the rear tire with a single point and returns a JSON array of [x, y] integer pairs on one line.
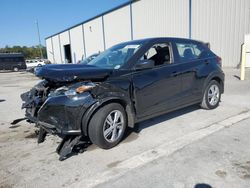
[[211, 96], [107, 126]]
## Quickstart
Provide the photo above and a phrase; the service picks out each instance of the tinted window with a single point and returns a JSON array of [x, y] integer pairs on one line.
[[189, 51], [11, 59], [159, 53], [19, 59]]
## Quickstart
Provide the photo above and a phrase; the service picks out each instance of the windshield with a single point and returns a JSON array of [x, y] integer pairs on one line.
[[116, 56], [88, 59]]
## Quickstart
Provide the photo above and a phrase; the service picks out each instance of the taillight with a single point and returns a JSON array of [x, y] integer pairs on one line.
[[218, 61]]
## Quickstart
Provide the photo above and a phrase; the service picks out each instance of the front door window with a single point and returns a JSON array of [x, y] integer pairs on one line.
[[159, 53]]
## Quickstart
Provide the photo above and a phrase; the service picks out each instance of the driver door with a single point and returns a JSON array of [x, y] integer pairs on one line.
[[157, 90]]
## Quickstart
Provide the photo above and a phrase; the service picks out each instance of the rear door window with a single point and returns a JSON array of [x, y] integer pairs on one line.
[[189, 51]]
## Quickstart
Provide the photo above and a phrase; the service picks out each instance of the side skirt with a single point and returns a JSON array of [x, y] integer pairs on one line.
[[167, 111]]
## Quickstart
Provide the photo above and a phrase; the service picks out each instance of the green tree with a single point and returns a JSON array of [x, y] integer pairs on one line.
[[28, 52]]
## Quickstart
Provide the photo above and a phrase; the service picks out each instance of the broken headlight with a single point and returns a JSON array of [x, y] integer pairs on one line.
[[75, 89]]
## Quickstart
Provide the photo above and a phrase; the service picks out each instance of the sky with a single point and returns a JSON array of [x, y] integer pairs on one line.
[[18, 18]]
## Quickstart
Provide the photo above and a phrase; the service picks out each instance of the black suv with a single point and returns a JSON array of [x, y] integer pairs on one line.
[[128, 83]]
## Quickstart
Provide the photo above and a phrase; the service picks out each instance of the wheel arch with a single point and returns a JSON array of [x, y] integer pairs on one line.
[[217, 76], [220, 81], [95, 107]]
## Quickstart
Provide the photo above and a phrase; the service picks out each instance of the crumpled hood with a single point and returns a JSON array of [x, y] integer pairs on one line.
[[71, 72]]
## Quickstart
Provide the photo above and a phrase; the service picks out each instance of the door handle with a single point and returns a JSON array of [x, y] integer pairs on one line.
[[207, 62]]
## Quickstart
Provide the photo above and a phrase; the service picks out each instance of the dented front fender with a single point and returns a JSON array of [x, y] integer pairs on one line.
[[106, 93]]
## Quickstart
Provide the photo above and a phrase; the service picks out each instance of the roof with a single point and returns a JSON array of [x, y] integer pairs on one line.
[[11, 55], [99, 15], [155, 39]]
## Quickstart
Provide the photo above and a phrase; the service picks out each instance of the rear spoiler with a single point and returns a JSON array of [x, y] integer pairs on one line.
[[207, 44]]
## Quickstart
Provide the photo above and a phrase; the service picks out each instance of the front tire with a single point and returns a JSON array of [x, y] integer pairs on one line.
[[212, 95], [107, 126]]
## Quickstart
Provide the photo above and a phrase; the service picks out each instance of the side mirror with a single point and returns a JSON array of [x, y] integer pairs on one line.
[[144, 64]]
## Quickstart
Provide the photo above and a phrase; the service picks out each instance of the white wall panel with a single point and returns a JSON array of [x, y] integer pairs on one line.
[[64, 40], [160, 18], [56, 47], [223, 23], [49, 49], [77, 45], [93, 36], [117, 26]]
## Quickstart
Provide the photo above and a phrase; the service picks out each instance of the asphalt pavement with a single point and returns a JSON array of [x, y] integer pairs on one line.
[[191, 147]]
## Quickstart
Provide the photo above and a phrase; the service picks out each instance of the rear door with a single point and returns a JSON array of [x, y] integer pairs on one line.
[[194, 69], [158, 89]]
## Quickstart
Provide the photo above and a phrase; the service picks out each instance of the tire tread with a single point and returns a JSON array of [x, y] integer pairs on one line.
[[95, 131]]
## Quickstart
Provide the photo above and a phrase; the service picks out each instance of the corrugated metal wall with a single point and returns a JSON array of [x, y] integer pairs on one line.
[[117, 26], [49, 47], [57, 50], [93, 32], [77, 43], [160, 18], [64, 40], [223, 23]]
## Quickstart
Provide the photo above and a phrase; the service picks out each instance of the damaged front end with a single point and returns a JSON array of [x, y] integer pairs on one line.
[[62, 111], [34, 99], [65, 100], [58, 109]]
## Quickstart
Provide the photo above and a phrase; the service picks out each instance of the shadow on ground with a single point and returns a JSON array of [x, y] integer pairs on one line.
[[236, 76], [202, 185], [131, 134]]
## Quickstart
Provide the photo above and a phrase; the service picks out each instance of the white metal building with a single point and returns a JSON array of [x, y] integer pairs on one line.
[[222, 23]]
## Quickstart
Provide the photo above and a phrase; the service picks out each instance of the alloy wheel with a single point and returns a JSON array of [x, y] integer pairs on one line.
[[113, 126], [213, 95]]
